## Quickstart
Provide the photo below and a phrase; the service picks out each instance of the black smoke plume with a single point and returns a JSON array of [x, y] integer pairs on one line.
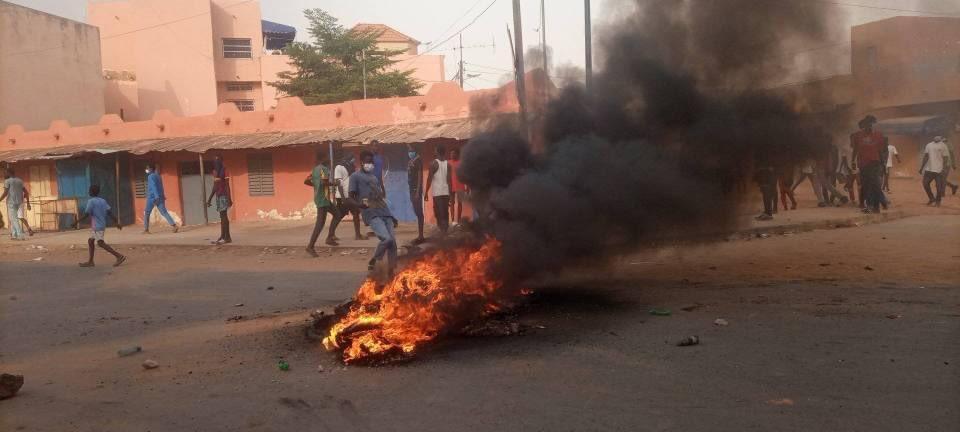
[[665, 144]]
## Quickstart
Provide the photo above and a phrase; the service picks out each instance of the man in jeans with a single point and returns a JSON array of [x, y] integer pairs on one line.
[[869, 152], [367, 194], [156, 198]]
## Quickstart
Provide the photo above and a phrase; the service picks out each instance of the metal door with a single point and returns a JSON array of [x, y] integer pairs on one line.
[[396, 184], [192, 193], [73, 181]]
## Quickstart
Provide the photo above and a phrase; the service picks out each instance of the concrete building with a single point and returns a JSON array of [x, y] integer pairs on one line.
[[49, 69], [427, 68], [186, 56]]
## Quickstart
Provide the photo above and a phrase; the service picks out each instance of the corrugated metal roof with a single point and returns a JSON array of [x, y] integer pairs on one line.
[[455, 129]]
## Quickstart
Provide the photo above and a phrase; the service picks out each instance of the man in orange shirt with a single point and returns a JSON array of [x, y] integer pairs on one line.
[[459, 192]]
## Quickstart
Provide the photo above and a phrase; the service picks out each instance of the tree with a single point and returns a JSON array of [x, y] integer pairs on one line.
[[330, 69]]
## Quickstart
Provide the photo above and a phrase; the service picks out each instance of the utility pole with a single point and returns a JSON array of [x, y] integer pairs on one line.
[[363, 67], [518, 48], [543, 37], [588, 47], [461, 61]]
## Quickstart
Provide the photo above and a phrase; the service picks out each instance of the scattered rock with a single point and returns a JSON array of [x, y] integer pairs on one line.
[[238, 305], [691, 307], [689, 341], [492, 327], [150, 364], [824, 264], [362, 251], [270, 288], [721, 322], [320, 368], [13, 297], [894, 316], [781, 402], [73, 246], [346, 252], [129, 351], [868, 268], [235, 318], [10, 385], [38, 259]]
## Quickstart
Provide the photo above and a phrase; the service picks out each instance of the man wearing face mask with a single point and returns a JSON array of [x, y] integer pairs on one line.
[[366, 193], [156, 198], [415, 180]]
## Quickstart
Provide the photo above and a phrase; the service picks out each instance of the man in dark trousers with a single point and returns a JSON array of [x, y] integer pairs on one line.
[[415, 181], [320, 180], [869, 153], [341, 179], [441, 183]]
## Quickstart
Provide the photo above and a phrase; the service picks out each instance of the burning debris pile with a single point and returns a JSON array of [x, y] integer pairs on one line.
[[663, 147]]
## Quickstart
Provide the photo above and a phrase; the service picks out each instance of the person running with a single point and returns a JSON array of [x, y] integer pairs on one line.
[[221, 190], [869, 150], [808, 170], [936, 157], [440, 181], [892, 153], [366, 193], [415, 181], [97, 210], [15, 193], [156, 198], [785, 183], [458, 193], [341, 177], [320, 180]]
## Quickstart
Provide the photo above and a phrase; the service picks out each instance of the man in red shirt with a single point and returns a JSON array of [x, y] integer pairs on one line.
[[869, 150], [459, 192]]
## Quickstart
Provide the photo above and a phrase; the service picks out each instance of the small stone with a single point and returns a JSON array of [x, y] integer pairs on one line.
[[13, 297], [38, 259], [721, 322], [270, 288], [150, 364], [320, 368], [894, 316], [689, 341], [10, 385], [238, 305], [868, 268]]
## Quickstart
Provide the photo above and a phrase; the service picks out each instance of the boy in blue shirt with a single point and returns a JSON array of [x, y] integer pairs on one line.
[[98, 210]]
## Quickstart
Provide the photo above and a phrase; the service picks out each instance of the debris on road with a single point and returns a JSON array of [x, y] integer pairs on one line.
[[13, 297], [320, 368], [238, 305], [235, 318], [283, 365], [346, 252], [38, 259], [689, 341], [691, 307], [781, 402], [721, 322], [9, 385], [150, 364], [129, 351], [868, 268], [270, 288], [492, 327], [894, 316], [824, 264], [362, 251], [660, 312]]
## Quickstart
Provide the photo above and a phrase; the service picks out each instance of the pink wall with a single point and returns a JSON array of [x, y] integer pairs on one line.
[[428, 68], [237, 19]]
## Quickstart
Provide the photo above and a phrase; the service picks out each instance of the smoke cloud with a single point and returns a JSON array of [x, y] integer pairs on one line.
[[664, 145]]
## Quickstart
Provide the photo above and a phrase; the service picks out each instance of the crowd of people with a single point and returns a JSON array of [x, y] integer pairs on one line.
[[841, 174]]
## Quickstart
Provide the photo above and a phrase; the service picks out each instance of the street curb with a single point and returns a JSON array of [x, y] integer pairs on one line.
[[847, 222]]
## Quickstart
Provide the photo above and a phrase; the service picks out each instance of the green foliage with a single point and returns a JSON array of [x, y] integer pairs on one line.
[[330, 69]]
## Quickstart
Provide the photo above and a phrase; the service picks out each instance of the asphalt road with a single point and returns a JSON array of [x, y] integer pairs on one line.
[[816, 341]]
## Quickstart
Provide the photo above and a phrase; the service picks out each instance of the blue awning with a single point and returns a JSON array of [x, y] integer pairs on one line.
[[926, 126], [277, 36]]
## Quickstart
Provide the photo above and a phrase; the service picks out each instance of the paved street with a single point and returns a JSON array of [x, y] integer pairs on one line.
[[816, 341]]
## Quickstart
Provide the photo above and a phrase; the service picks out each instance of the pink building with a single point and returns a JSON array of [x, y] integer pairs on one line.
[[427, 68]]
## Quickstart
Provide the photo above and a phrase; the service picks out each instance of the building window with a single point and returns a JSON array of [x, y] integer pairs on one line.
[[243, 104], [239, 87], [260, 174], [236, 48], [140, 178]]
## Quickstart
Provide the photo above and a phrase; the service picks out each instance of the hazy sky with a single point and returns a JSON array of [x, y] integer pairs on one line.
[[489, 55]]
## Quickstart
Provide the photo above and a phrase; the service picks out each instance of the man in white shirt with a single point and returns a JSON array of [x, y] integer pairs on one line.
[[891, 154], [341, 181], [936, 158]]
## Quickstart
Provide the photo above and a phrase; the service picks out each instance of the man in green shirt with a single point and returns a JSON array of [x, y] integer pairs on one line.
[[319, 179]]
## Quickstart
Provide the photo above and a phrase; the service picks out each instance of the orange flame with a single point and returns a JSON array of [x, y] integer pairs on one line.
[[430, 296]]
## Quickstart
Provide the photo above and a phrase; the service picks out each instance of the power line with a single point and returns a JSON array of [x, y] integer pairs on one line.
[[859, 5], [455, 22], [472, 22], [489, 67]]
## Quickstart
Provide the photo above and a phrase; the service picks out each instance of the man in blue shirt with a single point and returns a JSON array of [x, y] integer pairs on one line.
[[366, 193], [156, 198], [98, 210]]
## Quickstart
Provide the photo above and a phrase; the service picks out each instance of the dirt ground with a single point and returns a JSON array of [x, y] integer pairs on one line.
[[850, 329]]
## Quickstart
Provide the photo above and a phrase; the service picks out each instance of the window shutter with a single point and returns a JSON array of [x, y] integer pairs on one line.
[[260, 174], [139, 179]]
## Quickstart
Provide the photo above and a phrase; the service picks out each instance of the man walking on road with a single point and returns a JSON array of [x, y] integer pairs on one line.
[[97, 210], [891, 154], [936, 158], [319, 179], [440, 181], [366, 193], [415, 181], [869, 151], [341, 178], [156, 198], [15, 194]]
